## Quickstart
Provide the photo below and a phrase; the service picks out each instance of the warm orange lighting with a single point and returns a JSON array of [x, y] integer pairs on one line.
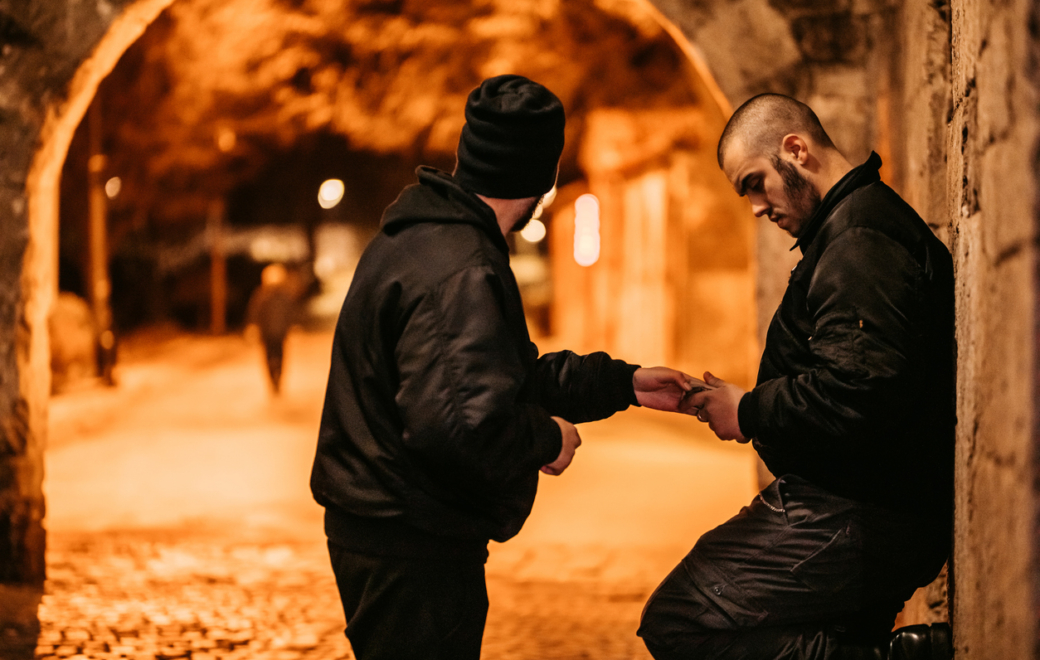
[[586, 230], [113, 186], [226, 139], [534, 231], [330, 193]]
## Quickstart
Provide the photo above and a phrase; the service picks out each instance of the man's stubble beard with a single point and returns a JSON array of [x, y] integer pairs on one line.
[[528, 214], [802, 196]]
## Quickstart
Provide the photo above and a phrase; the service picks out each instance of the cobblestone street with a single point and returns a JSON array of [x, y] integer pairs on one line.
[[181, 526]]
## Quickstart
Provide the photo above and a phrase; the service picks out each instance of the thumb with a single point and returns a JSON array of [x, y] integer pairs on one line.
[[710, 379]]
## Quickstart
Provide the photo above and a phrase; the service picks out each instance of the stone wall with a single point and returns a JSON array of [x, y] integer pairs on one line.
[[43, 46], [991, 190]]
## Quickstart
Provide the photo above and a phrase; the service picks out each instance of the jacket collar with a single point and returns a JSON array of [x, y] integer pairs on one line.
[[856, 178], [438, 198]]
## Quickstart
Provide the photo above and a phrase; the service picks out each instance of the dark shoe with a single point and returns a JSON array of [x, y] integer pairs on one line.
[[921, 642]]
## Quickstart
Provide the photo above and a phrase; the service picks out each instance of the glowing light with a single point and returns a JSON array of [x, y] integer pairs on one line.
[[113, 186], [544, 203], [586, 230], [549, 197], [330, 193], [534, 231], [226, 139]]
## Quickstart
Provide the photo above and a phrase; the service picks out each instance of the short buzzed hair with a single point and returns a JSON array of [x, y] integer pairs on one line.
[[763, 121]]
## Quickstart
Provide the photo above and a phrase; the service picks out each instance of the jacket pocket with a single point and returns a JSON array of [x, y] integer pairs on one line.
[[733, 607]]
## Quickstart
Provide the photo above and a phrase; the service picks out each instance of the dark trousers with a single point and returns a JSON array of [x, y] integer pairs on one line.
[[798, 574], [405, 608], [274, 350]]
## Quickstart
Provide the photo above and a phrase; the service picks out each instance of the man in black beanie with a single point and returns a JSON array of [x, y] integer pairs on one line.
[[439, 412]]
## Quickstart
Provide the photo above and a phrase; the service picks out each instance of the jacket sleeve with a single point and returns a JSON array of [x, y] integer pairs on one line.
[[460, 376], [863, 301], [584, 388]]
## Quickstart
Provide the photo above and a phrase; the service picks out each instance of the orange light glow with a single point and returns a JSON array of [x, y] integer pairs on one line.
[[330, 193], [113, 186], [586, 230], [534, 231]]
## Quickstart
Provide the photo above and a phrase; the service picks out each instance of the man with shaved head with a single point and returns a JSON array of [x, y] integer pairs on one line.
[[853, 411]]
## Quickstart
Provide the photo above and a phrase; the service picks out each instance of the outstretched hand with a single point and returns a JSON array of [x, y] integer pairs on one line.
[[718, 407], [661, 388]]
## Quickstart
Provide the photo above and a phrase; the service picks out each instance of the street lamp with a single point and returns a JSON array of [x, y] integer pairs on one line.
[[330, 193], [586, 230]]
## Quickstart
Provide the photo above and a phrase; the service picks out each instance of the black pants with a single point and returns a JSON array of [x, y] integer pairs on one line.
[[797, 574], [404, 609], [274, 350]]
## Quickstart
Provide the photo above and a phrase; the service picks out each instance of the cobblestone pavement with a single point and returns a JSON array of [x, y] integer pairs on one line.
[[148, 597], [181, 526]]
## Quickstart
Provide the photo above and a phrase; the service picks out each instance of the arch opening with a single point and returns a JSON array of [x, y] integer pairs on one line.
[[375, 90]]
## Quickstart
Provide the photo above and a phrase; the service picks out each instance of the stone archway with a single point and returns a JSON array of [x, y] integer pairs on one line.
[[21, 549], [116, 27]]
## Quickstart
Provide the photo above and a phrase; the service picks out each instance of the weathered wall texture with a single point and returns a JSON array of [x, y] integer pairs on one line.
[[964, 132], [991, 188], [44, 43]]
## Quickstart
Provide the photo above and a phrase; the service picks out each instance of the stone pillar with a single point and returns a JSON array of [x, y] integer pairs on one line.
[[53, 58]]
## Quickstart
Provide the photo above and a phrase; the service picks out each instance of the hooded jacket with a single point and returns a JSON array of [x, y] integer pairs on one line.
[[437, 411], [856, 386]]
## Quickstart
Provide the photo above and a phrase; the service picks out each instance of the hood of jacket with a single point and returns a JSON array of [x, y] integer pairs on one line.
[[438, 198]]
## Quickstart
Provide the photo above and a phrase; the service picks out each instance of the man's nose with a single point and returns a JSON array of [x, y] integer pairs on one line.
[[759, 207]]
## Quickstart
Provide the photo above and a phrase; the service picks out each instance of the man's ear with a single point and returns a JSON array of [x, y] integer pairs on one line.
[[795, 148]]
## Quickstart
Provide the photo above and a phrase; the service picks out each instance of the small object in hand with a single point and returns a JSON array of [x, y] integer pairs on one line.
[[696, 385]]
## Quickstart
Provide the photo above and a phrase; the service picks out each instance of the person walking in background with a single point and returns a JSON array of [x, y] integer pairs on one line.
[[853, 410], [439, 412], [271, 312]]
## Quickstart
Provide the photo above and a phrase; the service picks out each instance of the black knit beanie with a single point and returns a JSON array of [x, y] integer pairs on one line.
[[511, 144]]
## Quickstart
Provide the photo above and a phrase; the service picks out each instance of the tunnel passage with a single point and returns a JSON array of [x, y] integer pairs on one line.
[[250, 107]]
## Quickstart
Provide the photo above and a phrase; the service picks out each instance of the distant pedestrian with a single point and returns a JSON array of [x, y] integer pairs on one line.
[[272, 310]]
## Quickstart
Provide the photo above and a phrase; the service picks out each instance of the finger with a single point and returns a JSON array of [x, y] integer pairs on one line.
[[680, 379], [698, 398], [710, 379], [548, 469]]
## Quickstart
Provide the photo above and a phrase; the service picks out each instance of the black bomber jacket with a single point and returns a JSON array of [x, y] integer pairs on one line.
[[855, 390], [437, 411]]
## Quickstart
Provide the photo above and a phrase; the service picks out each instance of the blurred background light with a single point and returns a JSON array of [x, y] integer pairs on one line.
[[534, 231], [549, 197], [278, 244], [330, 193], [113, 186], [586, 230], [226, 139]]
